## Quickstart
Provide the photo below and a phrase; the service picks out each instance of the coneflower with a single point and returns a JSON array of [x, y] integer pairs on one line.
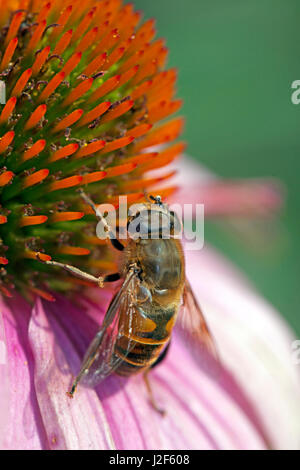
[[86, 89]]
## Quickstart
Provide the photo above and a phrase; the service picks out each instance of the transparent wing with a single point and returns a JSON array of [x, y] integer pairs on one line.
[[99, 360], [193, 325]]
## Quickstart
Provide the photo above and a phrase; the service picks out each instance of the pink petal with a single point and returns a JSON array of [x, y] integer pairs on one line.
[[69, 424], [4, 381], [25, 429], [254, 343], [247, 197], [188, 424]]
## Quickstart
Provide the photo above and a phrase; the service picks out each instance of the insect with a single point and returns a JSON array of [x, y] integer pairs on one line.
[[137, 328]]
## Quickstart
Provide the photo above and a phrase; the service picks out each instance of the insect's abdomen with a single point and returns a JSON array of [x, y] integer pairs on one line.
[[144, 340]]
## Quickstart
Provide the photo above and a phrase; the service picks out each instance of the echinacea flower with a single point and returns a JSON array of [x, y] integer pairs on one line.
[[86, 89]]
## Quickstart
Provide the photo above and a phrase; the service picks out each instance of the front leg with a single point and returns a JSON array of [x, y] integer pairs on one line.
[[82, 274], [114, 241]]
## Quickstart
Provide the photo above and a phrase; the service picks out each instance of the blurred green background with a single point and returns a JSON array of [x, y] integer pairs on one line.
[[237, 60]]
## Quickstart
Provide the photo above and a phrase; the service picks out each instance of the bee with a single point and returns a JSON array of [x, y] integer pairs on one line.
[[137, 328]]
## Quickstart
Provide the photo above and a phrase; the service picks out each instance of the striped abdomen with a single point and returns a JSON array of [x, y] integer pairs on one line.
[[144, 340]]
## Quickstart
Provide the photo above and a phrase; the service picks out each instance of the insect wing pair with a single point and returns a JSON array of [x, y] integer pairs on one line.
[[100, 360]]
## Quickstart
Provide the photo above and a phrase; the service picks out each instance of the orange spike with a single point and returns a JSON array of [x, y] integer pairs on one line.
[[44, 12], [164, 158], [120, 169], [117, 144], [73, 250], [8, 109], [35, 178], [66, 183], [153, 50], [41, 293], [51, 87], [6, 140], [63, 152], [63, 43], [109, 40], [114, 57], [95, 65], [33, 255], [142, 158], [117, 111], [125, 77], [26, 221], [62, 21], [135, 59], [93, 177], [108, 86], [40, 59], [163, 109], [35, 38], [87, 40], [143, 36], [3, 260], [9, 52], [6, 177], [14, 26], [84, 25], [36, 148], [3, 219], [66, 216], [88, 149], [162, 57], [145, 183], [94, 114], [79, 9], [35, 117], [22, 82], [72, 63], [165, 133], [139, 131], [141, 89], [146, 70], [68, 120], [77, 92], [131, 198]]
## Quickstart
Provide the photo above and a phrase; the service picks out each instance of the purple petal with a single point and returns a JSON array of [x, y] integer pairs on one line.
[[4, 381], [188, 424], [69, 424], [254, 343], [25, 429]]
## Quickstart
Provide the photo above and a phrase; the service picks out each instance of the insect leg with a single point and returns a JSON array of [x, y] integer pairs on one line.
[[82, 274], [148, 384], [115, 243], [151, 395]]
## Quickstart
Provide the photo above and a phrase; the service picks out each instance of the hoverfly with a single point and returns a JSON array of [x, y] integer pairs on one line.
[[137, 327]]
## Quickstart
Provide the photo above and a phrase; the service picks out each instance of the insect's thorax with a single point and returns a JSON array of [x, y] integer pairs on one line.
[[162, 268]]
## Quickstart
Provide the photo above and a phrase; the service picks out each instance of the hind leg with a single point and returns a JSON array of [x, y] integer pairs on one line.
[[148, 384]]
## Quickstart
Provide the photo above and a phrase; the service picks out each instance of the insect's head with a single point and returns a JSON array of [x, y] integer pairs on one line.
[[153, 220]]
